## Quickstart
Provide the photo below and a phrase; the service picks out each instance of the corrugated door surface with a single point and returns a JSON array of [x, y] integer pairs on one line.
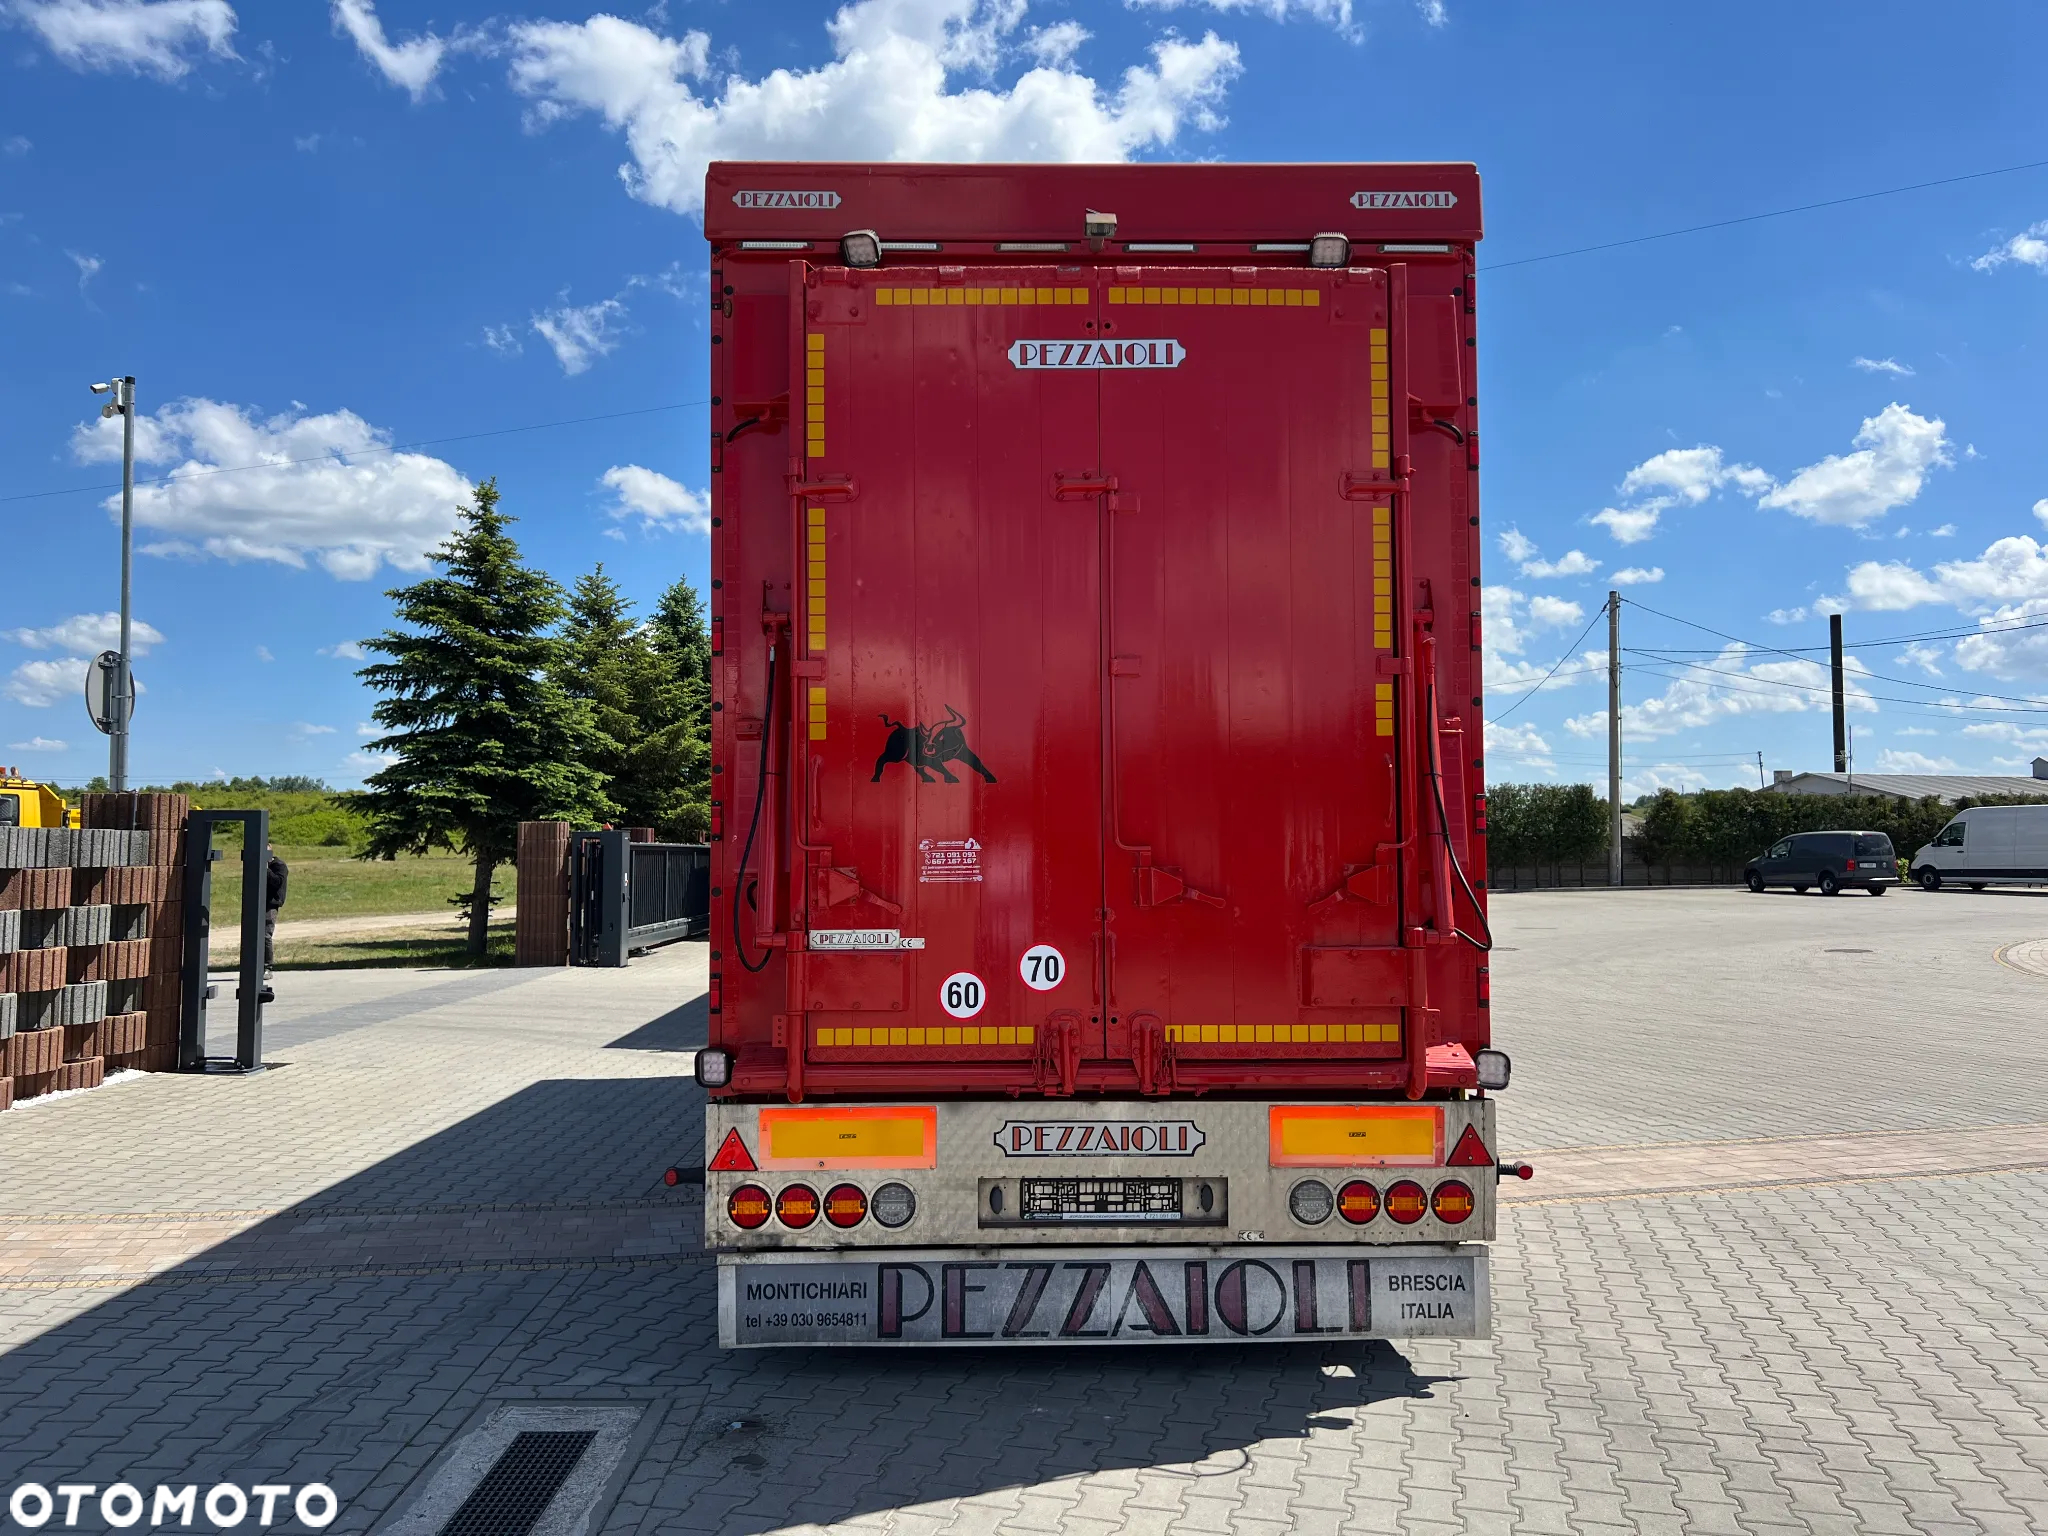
[[948, 733], [1249, 727]]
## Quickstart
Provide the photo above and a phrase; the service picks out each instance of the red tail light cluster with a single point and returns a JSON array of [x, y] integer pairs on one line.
[[1407, 1202], [797, 1206], [1452, 1201], [845, 1205], [748, 1206], [1358, 1202]]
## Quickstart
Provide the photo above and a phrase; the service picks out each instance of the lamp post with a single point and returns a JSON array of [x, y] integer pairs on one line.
[[122, 405]]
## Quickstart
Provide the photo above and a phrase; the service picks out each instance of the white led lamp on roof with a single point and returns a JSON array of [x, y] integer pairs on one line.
[[861, 248], [1329, 251]]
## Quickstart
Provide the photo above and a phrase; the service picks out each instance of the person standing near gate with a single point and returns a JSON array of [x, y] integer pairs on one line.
[[276, 875]]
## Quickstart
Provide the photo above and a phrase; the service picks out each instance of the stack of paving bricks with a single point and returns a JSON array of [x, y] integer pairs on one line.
[[540, 923], [91, 944]]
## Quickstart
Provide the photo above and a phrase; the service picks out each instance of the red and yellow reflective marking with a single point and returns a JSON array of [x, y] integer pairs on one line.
[[955, 295], [814, 608], [1355, 1135], [1383, 585], [1382, 440], [1256, 298], [948, 1034], [896, 1136], [1281, 1034], [814, 394]]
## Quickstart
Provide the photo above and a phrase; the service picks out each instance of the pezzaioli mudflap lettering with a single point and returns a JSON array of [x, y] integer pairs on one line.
[[1099, 1138], [1202, 1295]]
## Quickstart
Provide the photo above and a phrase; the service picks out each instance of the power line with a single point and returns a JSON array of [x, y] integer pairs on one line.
[[1752, 218], [1567, 656], [1868, 645], [1670, 659], [361, 453]]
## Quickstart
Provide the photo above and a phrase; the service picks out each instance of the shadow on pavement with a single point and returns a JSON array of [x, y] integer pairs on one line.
[[531, 1251], [680, 1029]]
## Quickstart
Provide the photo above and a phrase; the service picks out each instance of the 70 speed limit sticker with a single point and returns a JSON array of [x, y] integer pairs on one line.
[[1042, 967]]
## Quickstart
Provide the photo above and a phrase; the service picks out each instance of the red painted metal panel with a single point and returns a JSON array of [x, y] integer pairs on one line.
[[1095, 607]]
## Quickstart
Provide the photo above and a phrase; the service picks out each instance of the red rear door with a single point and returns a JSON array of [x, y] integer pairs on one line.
[[949, 769], [1249, 730]]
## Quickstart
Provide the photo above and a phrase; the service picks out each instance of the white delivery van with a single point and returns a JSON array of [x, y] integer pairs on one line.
[[1986, 845]]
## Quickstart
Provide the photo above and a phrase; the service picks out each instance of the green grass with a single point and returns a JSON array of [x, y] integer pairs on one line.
[[326, 882], [405, 947]]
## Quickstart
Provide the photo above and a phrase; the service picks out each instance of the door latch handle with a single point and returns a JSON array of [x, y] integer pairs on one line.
[[1082, 487]]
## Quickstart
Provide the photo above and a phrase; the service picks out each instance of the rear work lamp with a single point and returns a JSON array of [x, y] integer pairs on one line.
[[1494, 1069], [1329, 251], [714, 1067], [861, 248]]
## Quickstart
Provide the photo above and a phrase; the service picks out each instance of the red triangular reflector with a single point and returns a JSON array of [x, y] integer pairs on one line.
[[1470, 1152], [733, 1156]]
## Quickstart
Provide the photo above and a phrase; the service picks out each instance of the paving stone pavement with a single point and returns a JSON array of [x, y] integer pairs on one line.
[[1685, 1341]]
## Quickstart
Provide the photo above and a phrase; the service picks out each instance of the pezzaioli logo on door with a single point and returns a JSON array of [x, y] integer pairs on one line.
[[1100, 1138], [1404, 199], [1097, 354], [785, 199]]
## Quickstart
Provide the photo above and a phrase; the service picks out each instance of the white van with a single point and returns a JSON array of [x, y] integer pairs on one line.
[[1986, 845]]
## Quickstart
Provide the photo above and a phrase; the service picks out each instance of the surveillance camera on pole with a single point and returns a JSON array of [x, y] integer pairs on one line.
[[119, 703]]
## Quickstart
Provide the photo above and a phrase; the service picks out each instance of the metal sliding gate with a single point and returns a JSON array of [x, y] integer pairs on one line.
[[626, 896]]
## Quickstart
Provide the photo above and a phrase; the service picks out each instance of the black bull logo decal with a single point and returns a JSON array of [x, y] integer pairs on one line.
[[926, 747]]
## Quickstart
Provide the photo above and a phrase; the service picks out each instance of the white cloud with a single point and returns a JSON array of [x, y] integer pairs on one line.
[[1506, 625], [2006, 649], [154, 37], [15, 147], [2029, 248], [1947, 530], [410, 65], [1637, 576], [87, 634], [263, 653], [365, 729], [1554, 612], [2040, 511], [1433, 12], [1890, 365], [38, 744], [884, 96], [303, 731], [657, 500], [324, 487], [1730, 685], [1894, 451], [580, 334], [40, 684], [88, 267], [2010, 570], [1336, 13], [1574, 562], [1893, 760], [1788, 615], [1631, 525], [1691, 475], [347, 650], [1056, 45], [1517, 545], [1637, 782], [369, 762], [503, 339], [1920, 654], [1518, 741]]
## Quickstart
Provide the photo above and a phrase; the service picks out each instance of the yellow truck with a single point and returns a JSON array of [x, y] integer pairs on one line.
[[25, 803]]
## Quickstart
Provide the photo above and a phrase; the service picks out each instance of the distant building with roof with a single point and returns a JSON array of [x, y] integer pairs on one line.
[[1914, 786]]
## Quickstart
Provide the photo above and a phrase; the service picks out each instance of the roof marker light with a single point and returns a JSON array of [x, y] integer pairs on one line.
[[1278, 246], [911, 245], [775, 245], [1159, 245], [1019, 247], [1415, 250]]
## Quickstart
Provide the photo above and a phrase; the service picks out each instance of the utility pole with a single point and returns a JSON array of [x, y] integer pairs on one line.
[[123, 405], [1759, 770], [1614, 738], [1841, 717]]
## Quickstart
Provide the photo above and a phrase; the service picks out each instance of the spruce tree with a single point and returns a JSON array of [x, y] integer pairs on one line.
[[483, 733], [681, 638], [639, 706]]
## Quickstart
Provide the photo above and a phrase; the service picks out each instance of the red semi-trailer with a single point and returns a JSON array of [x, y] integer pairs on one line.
[[1098, 949]]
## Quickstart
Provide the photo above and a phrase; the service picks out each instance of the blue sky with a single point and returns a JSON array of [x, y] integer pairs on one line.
[[316, 228]]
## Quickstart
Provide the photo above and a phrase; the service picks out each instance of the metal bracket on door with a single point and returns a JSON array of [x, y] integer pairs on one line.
[[1152, 1053], [1058, 1063], [1158, 885], [1082, 487]]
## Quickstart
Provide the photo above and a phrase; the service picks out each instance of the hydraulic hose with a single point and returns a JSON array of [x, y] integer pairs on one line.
[[1443, 821], [739, 939]]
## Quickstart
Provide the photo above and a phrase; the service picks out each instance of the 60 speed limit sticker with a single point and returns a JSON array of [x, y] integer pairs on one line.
[[1042, 967], [962, 994]]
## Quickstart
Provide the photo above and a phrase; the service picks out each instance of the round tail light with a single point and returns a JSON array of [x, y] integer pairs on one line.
[[893, 1205], [797, 1206], [748, 1206], [1311, 1202], [1358, 1202], [1407, 1202], [845, 1205], [1452, 1201]]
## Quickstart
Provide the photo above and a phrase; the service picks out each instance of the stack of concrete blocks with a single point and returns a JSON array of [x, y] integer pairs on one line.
[[91, 945]]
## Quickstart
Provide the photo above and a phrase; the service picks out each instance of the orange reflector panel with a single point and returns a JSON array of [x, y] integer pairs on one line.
[[733, 1156], [1452, 1201], [1470, 1152], [1407, 1202], [1355, 1135], [854, 1137]]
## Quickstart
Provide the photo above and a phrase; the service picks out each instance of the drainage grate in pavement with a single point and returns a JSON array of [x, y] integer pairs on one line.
[[517, 1490], [527, 1469]]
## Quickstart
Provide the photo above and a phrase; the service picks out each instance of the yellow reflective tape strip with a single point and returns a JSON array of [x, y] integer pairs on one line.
[[849, 1138], [1282, 1034], [857, 1037]]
